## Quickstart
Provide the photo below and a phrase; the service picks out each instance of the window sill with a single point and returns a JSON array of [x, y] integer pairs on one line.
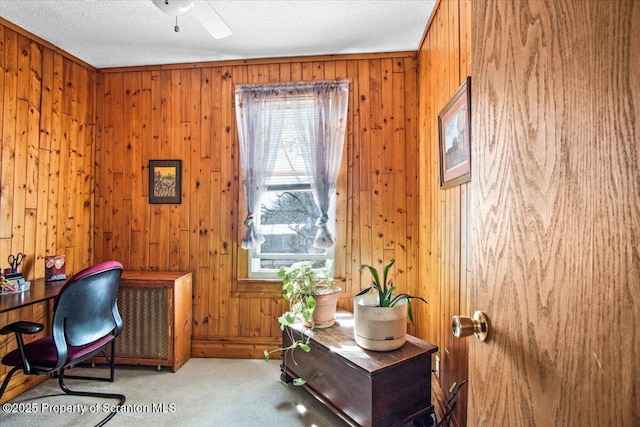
[[257, 288], [264, 288]]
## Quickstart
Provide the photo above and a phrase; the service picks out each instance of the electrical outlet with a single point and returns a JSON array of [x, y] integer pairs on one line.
[[437, 370]]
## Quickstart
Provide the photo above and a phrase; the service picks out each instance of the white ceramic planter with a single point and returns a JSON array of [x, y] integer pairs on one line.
[[324, 314], [379, 328]]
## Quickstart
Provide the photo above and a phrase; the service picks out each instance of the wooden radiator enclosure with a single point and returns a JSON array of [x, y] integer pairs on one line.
[[144, 312], [156, 310]]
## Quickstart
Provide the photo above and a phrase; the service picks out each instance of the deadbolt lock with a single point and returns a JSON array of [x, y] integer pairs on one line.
[[477, 325]]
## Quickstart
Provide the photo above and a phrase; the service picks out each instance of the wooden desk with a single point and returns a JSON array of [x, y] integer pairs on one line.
[[39, 291], [34, 305], [365, 388], [174, 290]]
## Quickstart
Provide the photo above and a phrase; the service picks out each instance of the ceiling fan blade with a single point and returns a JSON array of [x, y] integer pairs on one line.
[[211, 20]]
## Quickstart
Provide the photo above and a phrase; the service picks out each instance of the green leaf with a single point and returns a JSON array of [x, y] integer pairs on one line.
[[266, 355], [310, 301], [299, 381], [364, 291], [304, 347], [307, 314], [287, 319], [385, 273], [374, 274]]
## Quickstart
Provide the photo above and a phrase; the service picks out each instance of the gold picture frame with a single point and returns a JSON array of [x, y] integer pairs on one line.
[[454, 131]]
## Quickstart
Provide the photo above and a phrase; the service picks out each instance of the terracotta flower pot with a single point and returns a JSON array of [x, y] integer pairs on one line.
[[379, 328], [324, 314]]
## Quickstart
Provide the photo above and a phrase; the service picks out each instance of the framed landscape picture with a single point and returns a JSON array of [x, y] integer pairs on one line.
[[165, 181], [454, 129]]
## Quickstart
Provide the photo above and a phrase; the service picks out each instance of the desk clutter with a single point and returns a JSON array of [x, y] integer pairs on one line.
[[11, 281], [13, 284], [14, 262]]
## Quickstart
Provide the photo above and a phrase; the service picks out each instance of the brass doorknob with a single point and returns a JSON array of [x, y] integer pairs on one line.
[[477, 325]]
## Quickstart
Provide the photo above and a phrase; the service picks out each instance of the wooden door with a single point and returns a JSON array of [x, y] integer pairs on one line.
[[556, 201]]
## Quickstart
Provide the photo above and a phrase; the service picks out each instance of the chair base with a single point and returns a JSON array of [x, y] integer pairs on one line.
[[112, 366], [61, 377], [120, 397], [7, 378]]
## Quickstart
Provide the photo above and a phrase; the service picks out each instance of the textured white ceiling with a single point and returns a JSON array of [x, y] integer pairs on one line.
[[115, 33]]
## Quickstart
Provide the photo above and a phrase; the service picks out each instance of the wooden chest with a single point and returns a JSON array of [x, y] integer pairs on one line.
[[363, 387]]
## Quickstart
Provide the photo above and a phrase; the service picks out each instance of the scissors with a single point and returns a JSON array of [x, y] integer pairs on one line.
[[15, 261]]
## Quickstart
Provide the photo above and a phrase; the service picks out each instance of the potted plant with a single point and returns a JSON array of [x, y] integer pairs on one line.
[[381, 316], [313, 297]]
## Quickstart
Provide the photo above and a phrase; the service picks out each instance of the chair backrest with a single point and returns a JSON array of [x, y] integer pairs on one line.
[[86, 308]]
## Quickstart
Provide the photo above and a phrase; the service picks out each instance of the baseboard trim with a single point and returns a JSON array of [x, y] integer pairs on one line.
[[241, 348]]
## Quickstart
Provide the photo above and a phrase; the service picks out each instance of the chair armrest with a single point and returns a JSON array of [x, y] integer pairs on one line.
[[22, 327]]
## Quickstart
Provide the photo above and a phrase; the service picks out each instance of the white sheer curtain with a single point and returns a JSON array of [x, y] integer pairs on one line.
[[259, 133], [319, 112], [322, 128]]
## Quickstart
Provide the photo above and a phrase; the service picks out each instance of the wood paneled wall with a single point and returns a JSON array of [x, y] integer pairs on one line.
[[46, 164], [188, 113], [556, 195], [48, 124], [444, 215]]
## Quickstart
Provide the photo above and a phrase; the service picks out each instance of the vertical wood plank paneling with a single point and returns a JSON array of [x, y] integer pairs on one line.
[[39, 171], [19, 177], [2, 79], [376, 191], [47, 116], [153, 114], [33, 128], [57, 130], [229, 161], [444, 218], [8, 137], [406, 113], [353, 175], [140, 115], [340, 266]]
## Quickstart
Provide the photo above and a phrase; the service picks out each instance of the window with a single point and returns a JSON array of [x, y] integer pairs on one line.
[[287, 214], [287, 218], [291, 138]]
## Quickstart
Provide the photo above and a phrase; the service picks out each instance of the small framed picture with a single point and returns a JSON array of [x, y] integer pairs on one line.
[[454, 129], [54, 268], [165, 181]]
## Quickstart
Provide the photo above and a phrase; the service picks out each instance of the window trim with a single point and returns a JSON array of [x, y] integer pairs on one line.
[[244, 287]]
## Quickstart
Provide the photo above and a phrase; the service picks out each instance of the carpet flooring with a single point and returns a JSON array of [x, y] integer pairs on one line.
[[204, 392]]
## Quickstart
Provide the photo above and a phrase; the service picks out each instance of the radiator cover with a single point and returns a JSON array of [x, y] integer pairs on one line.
[[156, 311], [145, 331]]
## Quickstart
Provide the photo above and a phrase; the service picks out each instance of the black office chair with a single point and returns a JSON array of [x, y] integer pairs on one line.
[[85, 321]]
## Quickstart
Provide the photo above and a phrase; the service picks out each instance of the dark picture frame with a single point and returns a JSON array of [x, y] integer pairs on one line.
[[165, 181], [454, 133]]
